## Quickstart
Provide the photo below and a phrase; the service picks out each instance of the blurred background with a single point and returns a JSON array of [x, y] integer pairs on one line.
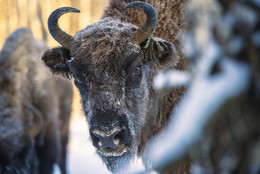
[[34, 14], [221, 37]]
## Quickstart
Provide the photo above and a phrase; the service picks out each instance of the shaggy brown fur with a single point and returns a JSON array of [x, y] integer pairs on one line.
[[170, 16], [34, 111], [101, 63]]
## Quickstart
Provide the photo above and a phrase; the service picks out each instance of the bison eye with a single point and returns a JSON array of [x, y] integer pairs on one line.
[[138, 70]]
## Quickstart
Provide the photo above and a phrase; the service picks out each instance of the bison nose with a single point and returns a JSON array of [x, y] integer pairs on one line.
[[110, 140]]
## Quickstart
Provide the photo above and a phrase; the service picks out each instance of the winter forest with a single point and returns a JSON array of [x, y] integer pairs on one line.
[[216, 122]]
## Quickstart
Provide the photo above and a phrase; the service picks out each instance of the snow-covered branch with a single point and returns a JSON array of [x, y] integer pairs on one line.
[[204, 96]]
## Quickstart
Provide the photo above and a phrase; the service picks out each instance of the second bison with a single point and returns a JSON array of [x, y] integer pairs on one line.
[[34, 111]]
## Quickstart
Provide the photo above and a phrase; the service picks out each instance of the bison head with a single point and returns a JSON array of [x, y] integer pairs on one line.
[[113, 63]]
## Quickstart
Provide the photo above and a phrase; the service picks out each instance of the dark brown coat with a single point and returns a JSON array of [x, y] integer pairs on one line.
[[34, 110]]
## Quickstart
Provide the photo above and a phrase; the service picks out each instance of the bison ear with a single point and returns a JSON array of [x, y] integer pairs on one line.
[[57, 60], [157, 49]]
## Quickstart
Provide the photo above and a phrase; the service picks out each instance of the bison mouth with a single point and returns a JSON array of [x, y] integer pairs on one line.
[[113, 151]]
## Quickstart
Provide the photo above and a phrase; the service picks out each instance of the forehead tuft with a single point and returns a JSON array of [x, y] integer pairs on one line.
[[106, 41]]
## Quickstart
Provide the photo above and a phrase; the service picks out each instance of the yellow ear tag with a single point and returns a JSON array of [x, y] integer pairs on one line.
[[147, 43]]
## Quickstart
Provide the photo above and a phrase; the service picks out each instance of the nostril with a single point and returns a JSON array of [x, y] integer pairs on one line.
[[110, 140], [99, 137], [96, 138], [118, 137]]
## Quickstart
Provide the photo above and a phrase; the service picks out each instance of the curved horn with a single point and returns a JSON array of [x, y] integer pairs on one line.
[[146, 30], [60, 36]]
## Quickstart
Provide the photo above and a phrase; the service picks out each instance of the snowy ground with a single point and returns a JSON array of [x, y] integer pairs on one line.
[[81, 153]]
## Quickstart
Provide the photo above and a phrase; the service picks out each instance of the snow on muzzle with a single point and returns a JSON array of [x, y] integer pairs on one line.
[[109, 132]]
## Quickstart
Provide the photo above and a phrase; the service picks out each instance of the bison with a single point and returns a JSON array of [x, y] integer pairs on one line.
[[34, 111], [113, 63]]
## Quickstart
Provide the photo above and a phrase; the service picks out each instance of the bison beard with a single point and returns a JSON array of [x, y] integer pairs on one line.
[[113, 63]]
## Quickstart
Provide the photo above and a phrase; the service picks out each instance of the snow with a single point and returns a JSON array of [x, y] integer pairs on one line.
[[56, 169], [210, 54], [188, 48], [171, 78], [205, 94], [82, 157]]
